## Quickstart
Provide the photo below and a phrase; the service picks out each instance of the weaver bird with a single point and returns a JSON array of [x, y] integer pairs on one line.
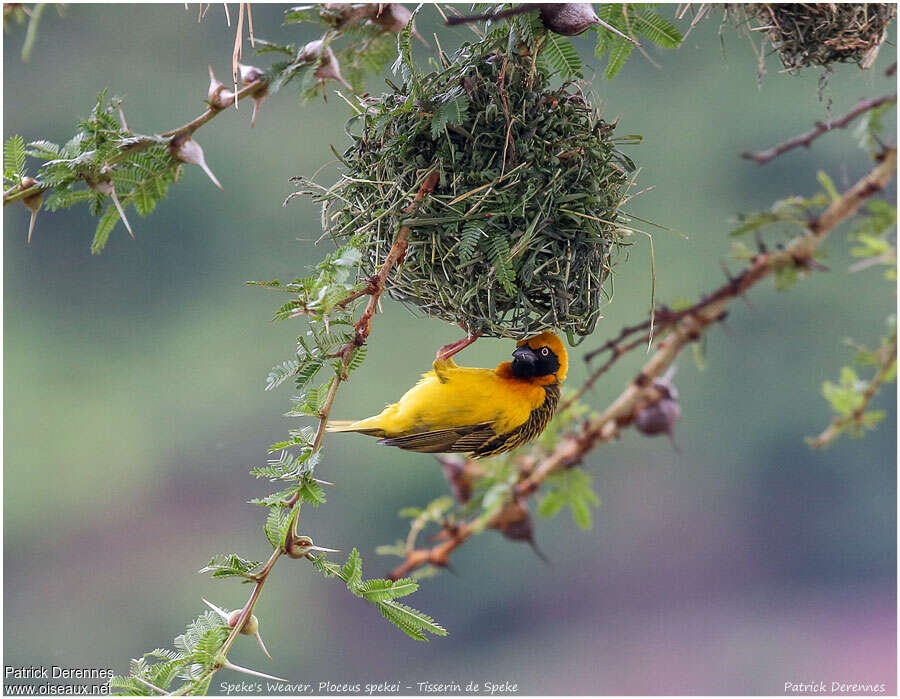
[[480, 412]]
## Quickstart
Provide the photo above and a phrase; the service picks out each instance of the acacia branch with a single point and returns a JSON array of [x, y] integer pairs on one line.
[[690, 325], [888, 358], [142, 143], [362, 329], [807, 138]]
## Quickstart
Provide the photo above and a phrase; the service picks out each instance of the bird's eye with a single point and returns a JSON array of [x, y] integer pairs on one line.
[[545, 351]]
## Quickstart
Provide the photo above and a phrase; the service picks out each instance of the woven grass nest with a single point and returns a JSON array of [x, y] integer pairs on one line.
[[824, 33], [505, 248]]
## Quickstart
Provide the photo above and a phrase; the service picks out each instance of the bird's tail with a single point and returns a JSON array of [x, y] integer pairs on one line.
[[353, 426]]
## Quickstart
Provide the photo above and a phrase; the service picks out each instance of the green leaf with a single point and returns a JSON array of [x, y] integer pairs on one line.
[[551, 503], [656, 28], [277, 524], [581, 513], [468, 241], [453, 112], [13, 158], [351, 573], [828, 185], [384, 590], [411, 621], [498, 250], [104, 227], [618, 54], [785, 277], [230, 565], [562, 56], [45, 150]]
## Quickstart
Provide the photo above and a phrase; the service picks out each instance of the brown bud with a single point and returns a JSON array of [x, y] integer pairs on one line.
[[33, 203], [218, 96], [187, 150]]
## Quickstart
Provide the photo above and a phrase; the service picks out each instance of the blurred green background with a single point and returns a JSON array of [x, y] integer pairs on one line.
[[134, 401]]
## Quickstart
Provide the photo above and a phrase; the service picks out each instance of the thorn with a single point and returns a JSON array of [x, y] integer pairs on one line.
[[189, 151], [237, 668], [321, 482], [121, 212], [122, 117], [540, 554], [227, 14], [261, 644], [31, 226], [326, 550], [760, 245], [221, 612], [611, 28], [674, 444]]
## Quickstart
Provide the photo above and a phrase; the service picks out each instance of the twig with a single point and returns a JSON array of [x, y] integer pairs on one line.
[[888, 356], [821, 127], [13, 194], [363, 328], [641, 391]]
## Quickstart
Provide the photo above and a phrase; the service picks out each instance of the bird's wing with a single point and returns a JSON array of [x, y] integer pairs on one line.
[[457, 439]]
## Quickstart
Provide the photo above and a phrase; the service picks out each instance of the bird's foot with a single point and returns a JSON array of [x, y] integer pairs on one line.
[[447, 351]]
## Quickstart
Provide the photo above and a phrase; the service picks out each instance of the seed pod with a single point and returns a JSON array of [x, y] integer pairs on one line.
[[218, 96], [310, 50], [460, 485], [662, 416], [515, 523], [329, 69], [569, 18], [249, 76], [33, 203], [250, 627], [393, 18], [340, 14], [302, 546], [187, 150]]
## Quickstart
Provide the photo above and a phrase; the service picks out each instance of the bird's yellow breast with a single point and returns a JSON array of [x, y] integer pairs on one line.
[[460, 396]]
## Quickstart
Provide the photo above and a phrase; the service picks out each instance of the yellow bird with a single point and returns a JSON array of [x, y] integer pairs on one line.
[[481, 412]]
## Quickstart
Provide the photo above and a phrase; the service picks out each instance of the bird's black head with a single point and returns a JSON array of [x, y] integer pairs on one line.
[[533, 363]]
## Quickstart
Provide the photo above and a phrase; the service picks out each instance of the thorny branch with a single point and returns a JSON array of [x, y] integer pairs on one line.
[[681, 328], [821, 127], [887, 357], [363, 328], [14, 194]]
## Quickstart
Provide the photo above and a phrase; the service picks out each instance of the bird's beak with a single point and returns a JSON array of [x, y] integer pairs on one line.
[[524, 360]]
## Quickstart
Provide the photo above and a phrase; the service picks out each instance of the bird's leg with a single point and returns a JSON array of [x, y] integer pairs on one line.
[[448, 351], [443, 361]]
